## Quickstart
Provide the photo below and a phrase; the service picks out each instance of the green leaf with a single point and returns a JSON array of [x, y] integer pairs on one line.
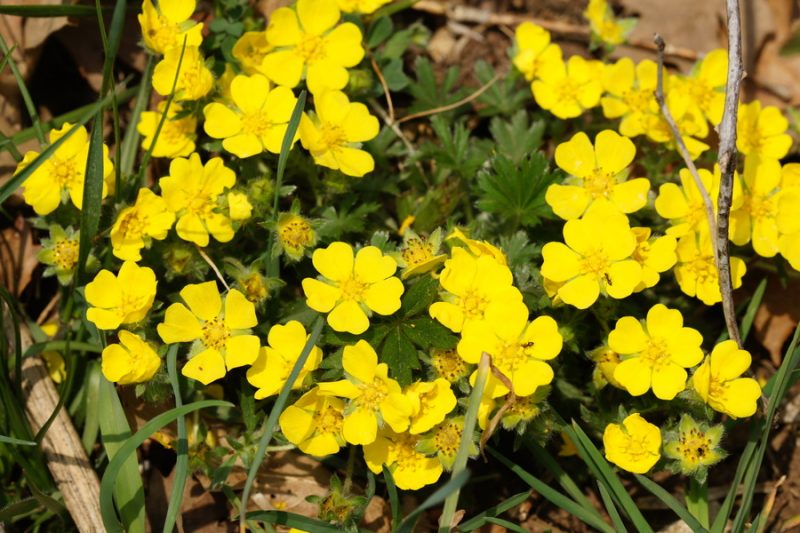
[[516, 192], [394, 498], [16, 442], [428, 94], [428, 333], [482, 518], [379, 31], [182, 449], [394, 75], [283, 518], [518, 137], [419, 296], [336, 223], [457, 151], [92, 195], [453, 485], [505, 96], [752, 308], [670, 501], [400, 355]]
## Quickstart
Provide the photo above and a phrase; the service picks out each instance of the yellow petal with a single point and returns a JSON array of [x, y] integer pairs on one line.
[[348, 316], [283, 28], [320, 296], [203, 299], [205, 367], [383, 297], [249, 92], [668, 381], [334, 262], [317, 16], [243, 145], [614, 152], [580, 292], [360, 361], [240, 313], [284, 67], [241, 350], [568, 201], [628, 337], [635, 375], [343, 45], [360, 427], [560, 263], [630, 196], [179, 325], [576, 156]]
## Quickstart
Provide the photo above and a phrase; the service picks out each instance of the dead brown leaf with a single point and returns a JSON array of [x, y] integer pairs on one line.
[[777, 317], [17, 256]]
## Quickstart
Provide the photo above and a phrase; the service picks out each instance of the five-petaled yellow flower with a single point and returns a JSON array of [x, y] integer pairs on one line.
[[122, 299], [762, 131], [411, 469], [634, 445], [136, 225], [222, 331], [166, 26], [596, 173], [375, 398], [258, 119], [431, 402], [535, 52], [351, 287], [314, 423], [130, 361], [275, 361], [630, 95], [718, 383], [655, 255], [567, 89], [655, 356], [309, 43], [61, 176], [334, 135], [192, 82], [177, 135], [696, 270]]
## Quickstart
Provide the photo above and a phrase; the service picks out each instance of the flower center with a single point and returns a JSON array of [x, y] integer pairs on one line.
[[328, 420], [509, 357], [641, 252], [256, 123], [295, 234], [599, 183], [404, 449], [636, 448], [568, 90], [473, 303], [132, 225], [703, 268], [694, 446], [416, 251], [163, 34], [656, 354], [131, 303], [700, 92], [332, 135], [65, 254], [448, 438], [66, 173], [638, 100], [353, 289], [311, 48], [762, 207], [215, 334], [372, 394], [595, 262], [449, 365]]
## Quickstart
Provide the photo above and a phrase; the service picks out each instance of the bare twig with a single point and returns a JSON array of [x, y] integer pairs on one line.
[[214, 267], [676, 134], [454, 105], [727, 166], [489, 431], [386, 93], [392, 125]]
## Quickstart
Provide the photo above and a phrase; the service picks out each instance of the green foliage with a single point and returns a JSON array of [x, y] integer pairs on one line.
[[517, 138], [505, 96], [457, 152], [428, 94]]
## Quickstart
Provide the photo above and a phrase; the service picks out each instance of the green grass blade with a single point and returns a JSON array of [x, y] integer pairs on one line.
[[127, 489], [608, 501], [552, 495], [272, 419], [394, 499], [697, 501], [606, 475], [511, 526], [130, 142], [127, 449], [48, 11], [18, 509], [483, 517], [462, 456], [273, 265], [17, 442], [452, 486], [182, 449], [92, 196], [721, 519], [91, 423], [283, 518], [670, 501], [60, 346], [752, 308], [23, 91]]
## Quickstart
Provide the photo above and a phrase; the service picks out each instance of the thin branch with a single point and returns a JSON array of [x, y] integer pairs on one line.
[[454, 105], [727, 166], [213, 266], [676, 134], [386, 93], [510, 400]]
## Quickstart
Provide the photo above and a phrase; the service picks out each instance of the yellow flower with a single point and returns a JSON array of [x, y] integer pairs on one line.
[[194, 78], [473, 285], [310, 44], [606, 362], [630, 95], [605, 26], [444, 441], [718, 384], [411, 470], [350, 289], [689, 119], [335, 134], [61, 177], [167, 26], [419, 255], [567, 89], [60, 253], [250, 50], [534, 51], [695, 446], [634, 446], [519, 349], [192, 192], [295, 235], [596, 172], [431, 402], [655, 255], [314, 423], [696, 270], [406, 225], [597, 258], [568, 448], [365, 7], [524, 409], [274, 363], [683, 205], [239, 206], [256, 122], [131, 361], [147, 219], [177, 135], [762, 131], [705, 86], [656, 355], [768, 211], [478, 248], [122, 299], [223, 333], [375, 398], [449, 365]]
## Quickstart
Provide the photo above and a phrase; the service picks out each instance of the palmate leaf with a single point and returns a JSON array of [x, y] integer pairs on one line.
[[456, 150], [428, 94], [517, 137], [516, 192], [505, 96]]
